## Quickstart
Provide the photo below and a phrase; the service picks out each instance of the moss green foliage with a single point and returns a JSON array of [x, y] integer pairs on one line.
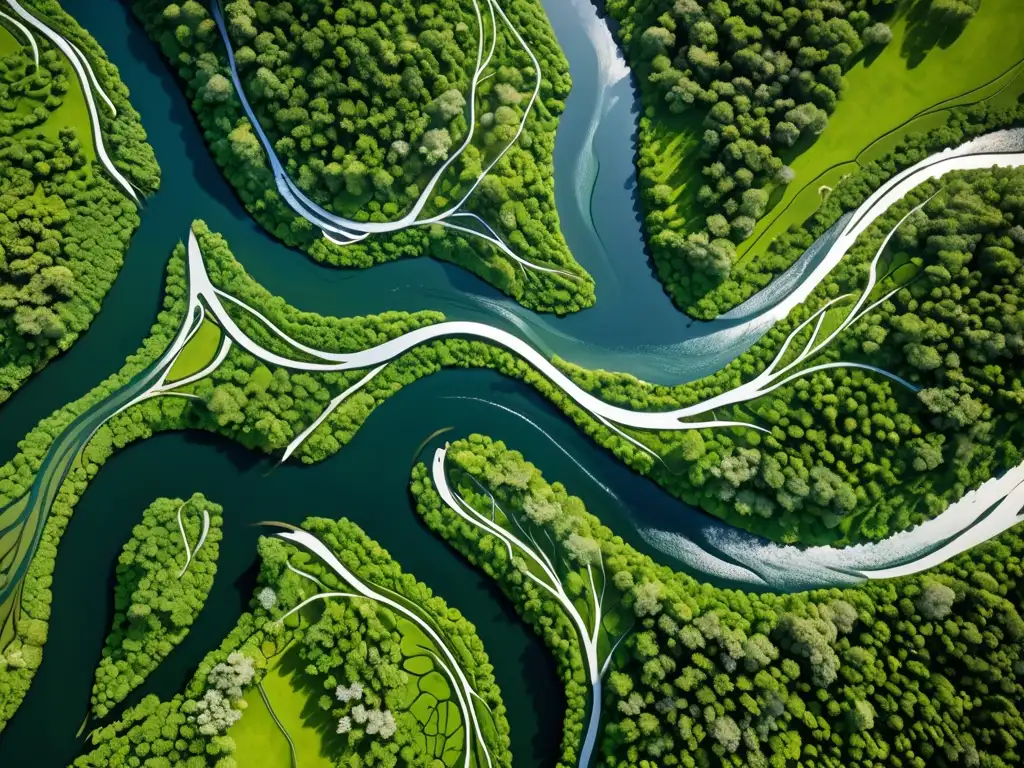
[[354, 657], [155, 604], [919, 671], [355, 644], [192, 728], [747, 86], [364, 102], [273, 710], [64, 225], [20, 659], [851, 456]]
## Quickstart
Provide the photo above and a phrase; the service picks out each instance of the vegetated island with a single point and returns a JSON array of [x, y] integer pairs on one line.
[[755, 111], [922, 670], [323, 673], [365, 103], [64, 223], [164, 575]]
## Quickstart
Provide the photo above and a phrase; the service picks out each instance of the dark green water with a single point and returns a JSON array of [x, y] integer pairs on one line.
[[367, 481]]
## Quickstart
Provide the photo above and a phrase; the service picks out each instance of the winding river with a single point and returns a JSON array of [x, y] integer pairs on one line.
[[634, 328]]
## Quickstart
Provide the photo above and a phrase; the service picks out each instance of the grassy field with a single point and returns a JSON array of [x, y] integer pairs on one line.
[[885, 91], [259, 740], [8, 42], [675, 142], [293, 695], [72, 112], [197, 353]]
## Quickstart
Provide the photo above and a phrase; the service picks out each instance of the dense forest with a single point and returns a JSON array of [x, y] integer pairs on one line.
[[850, 456], [919, 671], [356, 653], [162, 582], [746, 83], [190, 729], [364, 103], [853, 455], [64, 225]]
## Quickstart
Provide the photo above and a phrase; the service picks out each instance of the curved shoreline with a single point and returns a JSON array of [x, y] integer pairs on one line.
[[342, 231], [83, 69]]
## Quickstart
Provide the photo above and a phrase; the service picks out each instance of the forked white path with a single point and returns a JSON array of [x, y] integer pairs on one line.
[[549, 581], [464, 690], [344, 231], [89, 82]]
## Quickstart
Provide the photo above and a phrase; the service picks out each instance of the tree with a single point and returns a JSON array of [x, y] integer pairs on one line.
[[217, 89], [877, 34], [656, 40], [435, 146], [935, 601]]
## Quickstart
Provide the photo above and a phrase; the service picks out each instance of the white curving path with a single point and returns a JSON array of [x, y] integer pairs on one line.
[[27, 33], [551, 584], [344, 231], [463, 688], [898, 555], [999, 148], [201, 288], [94, 80], [85, 76], [191, 553], [980, 515]]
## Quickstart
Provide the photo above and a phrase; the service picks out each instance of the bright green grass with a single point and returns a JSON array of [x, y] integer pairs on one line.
[[428, 697], [8, 42], [74, 110], [199, 352], [675, 144], [260, 743], [258, 739], [884, 92]]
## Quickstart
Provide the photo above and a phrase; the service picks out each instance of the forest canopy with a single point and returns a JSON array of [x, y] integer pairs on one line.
[[365, 103], [164, 575], [743, 85], [64, 224], [919, 671]]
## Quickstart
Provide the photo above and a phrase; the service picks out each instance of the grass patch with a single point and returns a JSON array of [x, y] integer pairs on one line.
[[293, 695], [8, 42], [198, 353], [260, 743], [884, 92], [73, 112], [674, 146]]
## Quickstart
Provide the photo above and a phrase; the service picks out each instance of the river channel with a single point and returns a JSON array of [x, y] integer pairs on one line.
[[633, 328], [365, 482]]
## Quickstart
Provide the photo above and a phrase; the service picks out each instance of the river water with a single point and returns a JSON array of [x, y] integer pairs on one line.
[[633, 328], [364, 482]]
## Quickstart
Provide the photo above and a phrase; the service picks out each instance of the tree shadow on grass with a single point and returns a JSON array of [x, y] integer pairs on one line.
[[311, 689], [926, 31]]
